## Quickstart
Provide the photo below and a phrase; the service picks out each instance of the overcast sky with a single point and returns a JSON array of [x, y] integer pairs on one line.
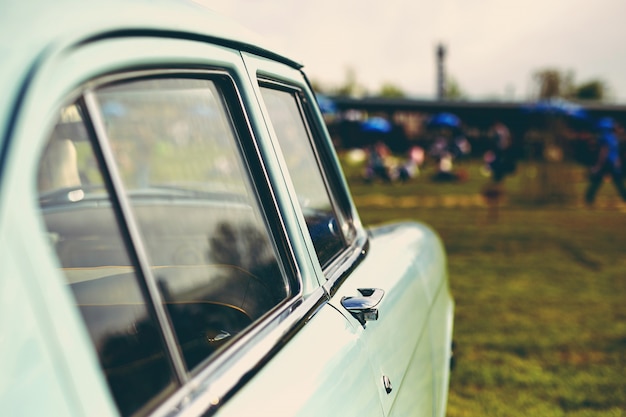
[[493, 45]]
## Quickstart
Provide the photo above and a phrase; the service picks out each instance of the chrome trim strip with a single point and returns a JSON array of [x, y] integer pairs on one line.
[[241, 361], [156, 302], [295, 272]]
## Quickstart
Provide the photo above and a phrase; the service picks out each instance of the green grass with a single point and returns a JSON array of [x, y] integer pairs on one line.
[[540, 292]]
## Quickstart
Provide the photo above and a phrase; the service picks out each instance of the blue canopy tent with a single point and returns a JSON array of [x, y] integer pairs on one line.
[[444, 119], [575, 114], [376, 125]]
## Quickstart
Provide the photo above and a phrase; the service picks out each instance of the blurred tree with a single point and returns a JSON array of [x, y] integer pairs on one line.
[[389, 90], [550, 83], [592, 90]]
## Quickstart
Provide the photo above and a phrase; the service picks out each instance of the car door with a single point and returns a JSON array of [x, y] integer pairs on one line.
[[389, 275], [151, 189], [398, 339]]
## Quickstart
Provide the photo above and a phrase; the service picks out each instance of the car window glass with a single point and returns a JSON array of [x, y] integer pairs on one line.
[[293, 136], [84, 233], [177, 152]]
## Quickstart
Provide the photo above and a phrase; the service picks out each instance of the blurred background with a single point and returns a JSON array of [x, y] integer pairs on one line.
[[494, 47], [495, 123]]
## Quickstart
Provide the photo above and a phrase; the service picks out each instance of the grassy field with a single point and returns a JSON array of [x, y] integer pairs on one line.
[[540, 290]]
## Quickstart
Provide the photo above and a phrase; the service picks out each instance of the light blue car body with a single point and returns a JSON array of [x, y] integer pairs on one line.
[[318, 359]]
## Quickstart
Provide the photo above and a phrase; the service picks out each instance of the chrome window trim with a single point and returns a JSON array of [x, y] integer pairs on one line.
[[221, 376], [226, 374]]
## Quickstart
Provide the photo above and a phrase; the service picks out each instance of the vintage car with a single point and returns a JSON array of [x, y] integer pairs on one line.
[[178, 238]]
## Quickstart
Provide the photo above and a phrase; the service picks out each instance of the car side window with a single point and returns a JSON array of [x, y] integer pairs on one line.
[[177, 152], [294, 137], [147, 194], [85, 235]]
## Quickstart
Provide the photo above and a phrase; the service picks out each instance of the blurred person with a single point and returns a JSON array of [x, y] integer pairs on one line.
[[607, 163], [445, 151], [460, 145], [410, 169], [377, 162], [499, 159], [461, 150], [441, 153], [444, 169]]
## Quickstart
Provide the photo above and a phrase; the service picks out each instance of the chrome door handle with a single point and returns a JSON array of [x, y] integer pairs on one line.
[[363, 308]]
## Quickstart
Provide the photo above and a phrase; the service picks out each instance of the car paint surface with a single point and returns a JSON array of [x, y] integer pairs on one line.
[[319, 360]]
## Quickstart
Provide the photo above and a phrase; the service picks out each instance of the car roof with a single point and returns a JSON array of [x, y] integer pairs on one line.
[[35, 24], [32, 30]]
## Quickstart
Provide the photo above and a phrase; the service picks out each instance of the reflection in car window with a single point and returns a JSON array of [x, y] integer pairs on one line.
[[292, 133], [84, 233], [178, 155]]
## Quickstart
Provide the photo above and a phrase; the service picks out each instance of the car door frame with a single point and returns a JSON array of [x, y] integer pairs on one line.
[[268, 72], [331, 277], [349, 271]]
